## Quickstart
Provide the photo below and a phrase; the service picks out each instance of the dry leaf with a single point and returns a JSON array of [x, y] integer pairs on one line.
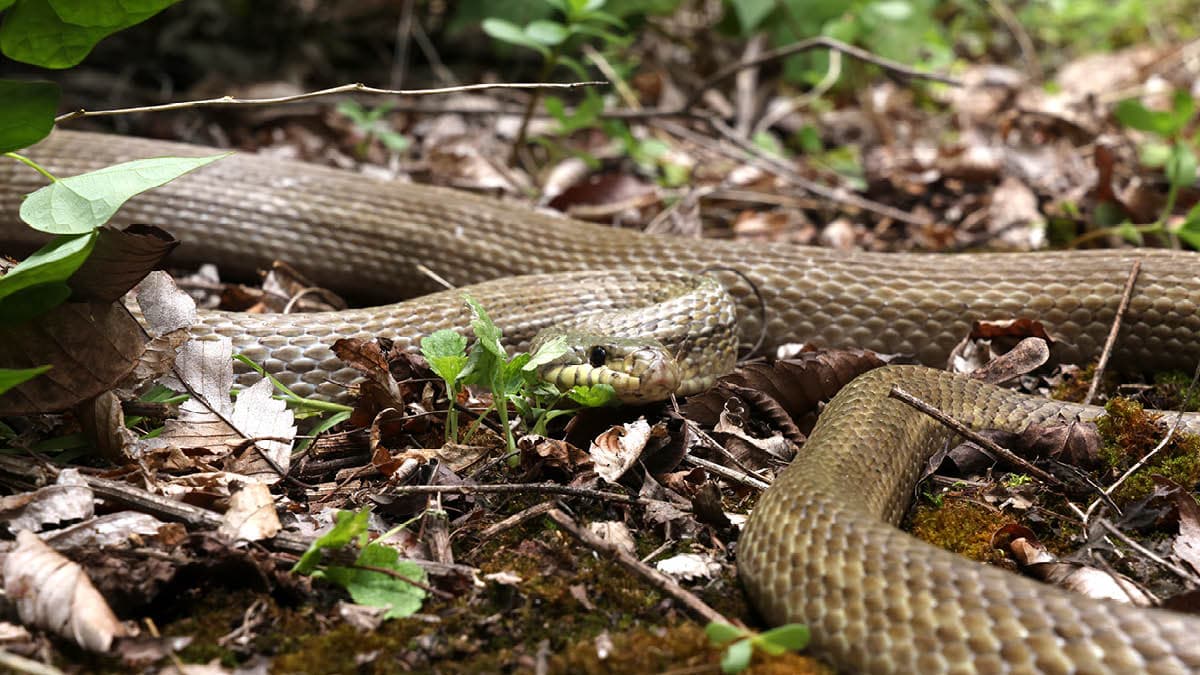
[[616, 450], [688, 566], [251, 515], [53, 593]]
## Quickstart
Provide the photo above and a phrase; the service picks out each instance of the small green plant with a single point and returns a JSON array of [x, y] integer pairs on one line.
[[1015, 480], [377, 578], [905, 30], [511, 380], [742, 642], [555, 40], [1169, 149], [371, 125]]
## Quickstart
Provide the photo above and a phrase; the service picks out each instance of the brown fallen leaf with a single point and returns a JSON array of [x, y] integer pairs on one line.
[[1039, 563]]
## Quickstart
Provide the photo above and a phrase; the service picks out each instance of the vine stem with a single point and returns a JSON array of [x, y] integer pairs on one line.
[[32, 164]]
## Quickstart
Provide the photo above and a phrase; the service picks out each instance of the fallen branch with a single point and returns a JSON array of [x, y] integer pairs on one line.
[[355, 88], [993, 449], [657, 579]]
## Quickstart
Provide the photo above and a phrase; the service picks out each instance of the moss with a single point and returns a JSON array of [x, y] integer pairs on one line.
[[1075, 388], [961, 526], [1128, 434], [683, 648], [1174, 391]]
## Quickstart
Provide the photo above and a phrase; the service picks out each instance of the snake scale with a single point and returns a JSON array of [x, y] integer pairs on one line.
[[820, 547]]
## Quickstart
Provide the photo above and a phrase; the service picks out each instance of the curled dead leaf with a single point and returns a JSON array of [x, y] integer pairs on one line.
[[54, 593]]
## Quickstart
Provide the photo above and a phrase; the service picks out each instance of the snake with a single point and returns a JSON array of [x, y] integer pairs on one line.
[[821, 546]]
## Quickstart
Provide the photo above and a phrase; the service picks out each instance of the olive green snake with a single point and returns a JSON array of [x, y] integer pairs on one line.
[[820, 547]]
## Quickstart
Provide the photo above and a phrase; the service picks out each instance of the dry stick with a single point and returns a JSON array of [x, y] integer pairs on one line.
[[728, 474], [527, 488], [356, 87], [170, 509], [1111, 340], [748, 151], [657, 579], [985, 443], [20, 664], [516, 519], [1177, 570], [1024, 43], [807, 45]]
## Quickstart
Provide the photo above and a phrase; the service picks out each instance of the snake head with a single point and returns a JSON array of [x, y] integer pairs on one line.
[[639, 370]]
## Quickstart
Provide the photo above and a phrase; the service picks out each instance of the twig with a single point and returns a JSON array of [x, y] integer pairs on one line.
[[657, 579], [837, 195], [20, 664], [526, 488], [985, 443], [1024, 43], [354, 88], [170, 509], [1125, 539], [516, 519], [1111, 340], [621, 86], [728, 474], [807, 45]]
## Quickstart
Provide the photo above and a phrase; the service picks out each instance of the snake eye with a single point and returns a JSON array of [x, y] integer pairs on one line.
[[597, 357]]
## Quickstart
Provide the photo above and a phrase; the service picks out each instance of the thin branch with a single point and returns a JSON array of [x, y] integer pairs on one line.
[[986, 443], [657, 579], [740, 477], [807, 45], [1125, 539], [355, 88], [1111, 340], [526, 488]]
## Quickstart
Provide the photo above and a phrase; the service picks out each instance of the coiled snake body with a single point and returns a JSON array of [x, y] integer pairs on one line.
[[820, 547]]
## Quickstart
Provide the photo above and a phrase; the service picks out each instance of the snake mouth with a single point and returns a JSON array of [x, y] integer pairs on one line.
[[643, 375]]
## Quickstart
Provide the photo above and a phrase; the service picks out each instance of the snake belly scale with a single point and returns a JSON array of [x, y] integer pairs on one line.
[[820, 547]]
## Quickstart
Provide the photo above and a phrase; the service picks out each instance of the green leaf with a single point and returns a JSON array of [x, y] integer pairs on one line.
[[1154, 154], [509, 32], [485, 330], [395, 142], [1181, 165], [26, 112], [891, 10], [1189, 232], [81, 203], [767, 142], [593, 396], [376, 589], [53, 263], [32, 302], [1130, 233], [750, 13], [736, 657], [11, 377], [446, 352], [354, 111], [4, 4], [349, 525], [1132, 113], [719, 633], [546, 352], [60, 33], [792, 636], [548, 33]]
